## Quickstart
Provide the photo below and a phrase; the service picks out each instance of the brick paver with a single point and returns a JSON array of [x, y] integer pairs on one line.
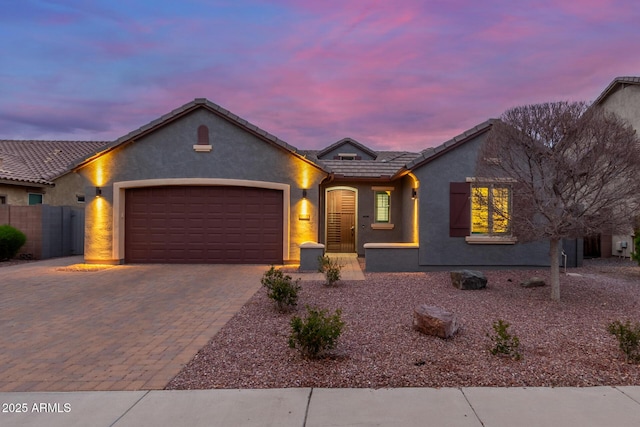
[[128, 327]]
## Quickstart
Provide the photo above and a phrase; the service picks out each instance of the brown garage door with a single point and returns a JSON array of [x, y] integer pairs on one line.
[[235, 225]]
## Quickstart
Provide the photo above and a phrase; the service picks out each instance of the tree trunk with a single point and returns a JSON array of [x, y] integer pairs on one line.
[[554, 252]]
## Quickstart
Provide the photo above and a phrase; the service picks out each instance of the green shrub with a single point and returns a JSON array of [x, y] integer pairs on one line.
[[628, 336], [636, 243], [11, 240], [330, 268], [504, 343], [281, 289], [317, 333]]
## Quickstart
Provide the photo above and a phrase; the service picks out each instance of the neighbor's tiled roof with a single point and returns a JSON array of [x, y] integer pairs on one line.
[[614, 85], [40, 162], [386, 165]]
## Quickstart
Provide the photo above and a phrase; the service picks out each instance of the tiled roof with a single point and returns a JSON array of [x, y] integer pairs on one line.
[[387, 164], [40, 162], [614, 85], [345, 141], [434, 152]]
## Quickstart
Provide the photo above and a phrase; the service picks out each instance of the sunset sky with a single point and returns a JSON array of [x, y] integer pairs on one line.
[[394, 75]]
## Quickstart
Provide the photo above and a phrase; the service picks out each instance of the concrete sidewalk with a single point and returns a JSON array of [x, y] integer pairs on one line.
[[473, 407]]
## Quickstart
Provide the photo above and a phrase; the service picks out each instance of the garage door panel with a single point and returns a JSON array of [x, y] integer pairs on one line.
[[203, 224]]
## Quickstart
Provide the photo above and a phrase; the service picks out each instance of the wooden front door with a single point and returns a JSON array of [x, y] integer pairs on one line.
[[341, 220]]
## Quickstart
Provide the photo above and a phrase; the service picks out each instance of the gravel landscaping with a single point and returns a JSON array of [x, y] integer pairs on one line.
[[562, 344]]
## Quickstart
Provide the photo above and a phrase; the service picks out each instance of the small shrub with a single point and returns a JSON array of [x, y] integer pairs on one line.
[[504, 343], [281, 289], [11, 240], [628, 336], [636, 243], [317, 333], [330, 268]]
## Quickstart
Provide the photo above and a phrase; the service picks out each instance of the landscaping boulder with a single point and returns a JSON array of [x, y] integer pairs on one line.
[[534, 282], [435, 321], [468, 279]]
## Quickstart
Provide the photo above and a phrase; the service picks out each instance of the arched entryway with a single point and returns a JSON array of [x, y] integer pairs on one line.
[[341, 217]]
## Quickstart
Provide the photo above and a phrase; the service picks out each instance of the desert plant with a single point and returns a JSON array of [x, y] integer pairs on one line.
[[316, 333], [636, 244], [330, 268], [628, 336], [504, 344], [11, 240], [281, 289]]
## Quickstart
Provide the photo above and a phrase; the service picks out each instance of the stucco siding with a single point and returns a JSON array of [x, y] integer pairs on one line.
[[168, 153], [365, 213], [625, 102], [66, 190], [346, 149], [63, 193], [17, 195], [437, 249]]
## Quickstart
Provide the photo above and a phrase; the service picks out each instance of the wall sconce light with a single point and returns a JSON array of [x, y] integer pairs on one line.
[[98, 191], [414, 194], [304, 193]]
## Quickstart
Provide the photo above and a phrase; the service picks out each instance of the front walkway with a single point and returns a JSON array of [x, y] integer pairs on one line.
[[350, 269], [128, 327]]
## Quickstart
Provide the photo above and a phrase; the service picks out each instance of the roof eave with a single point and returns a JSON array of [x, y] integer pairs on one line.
[[344, 141], [185, 110], [450, 145], [26, 183], [382, 178], [613, 86]]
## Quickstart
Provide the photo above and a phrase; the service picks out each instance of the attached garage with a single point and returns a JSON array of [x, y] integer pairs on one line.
[[203, 224]]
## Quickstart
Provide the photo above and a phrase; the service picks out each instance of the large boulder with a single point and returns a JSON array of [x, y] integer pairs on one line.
[[435, 321], [534, 282], [468, 279]]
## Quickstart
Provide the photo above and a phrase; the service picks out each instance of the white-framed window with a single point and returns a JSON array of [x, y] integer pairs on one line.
[[382, 209]]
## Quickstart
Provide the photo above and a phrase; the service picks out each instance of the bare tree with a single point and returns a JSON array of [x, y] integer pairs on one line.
[[574, 171]]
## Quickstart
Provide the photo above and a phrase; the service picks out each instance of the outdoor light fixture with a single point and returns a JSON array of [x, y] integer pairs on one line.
[[304, 193], [414, 194], [98, 191]]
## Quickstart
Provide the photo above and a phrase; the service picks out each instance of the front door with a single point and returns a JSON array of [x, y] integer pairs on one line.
[[341, 220]]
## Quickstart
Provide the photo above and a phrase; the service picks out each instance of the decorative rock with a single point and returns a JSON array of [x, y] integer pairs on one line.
[[534, 282], [435, 321], [468, 279]]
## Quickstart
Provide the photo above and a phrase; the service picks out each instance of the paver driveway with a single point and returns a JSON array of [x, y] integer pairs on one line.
[[128, 327]]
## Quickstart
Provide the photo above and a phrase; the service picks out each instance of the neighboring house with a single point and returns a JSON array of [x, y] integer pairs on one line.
[[622, 97], [38, 172], [40, 195], [202, 185]]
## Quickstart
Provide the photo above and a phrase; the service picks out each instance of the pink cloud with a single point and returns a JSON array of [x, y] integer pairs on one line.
[[396, 75]]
